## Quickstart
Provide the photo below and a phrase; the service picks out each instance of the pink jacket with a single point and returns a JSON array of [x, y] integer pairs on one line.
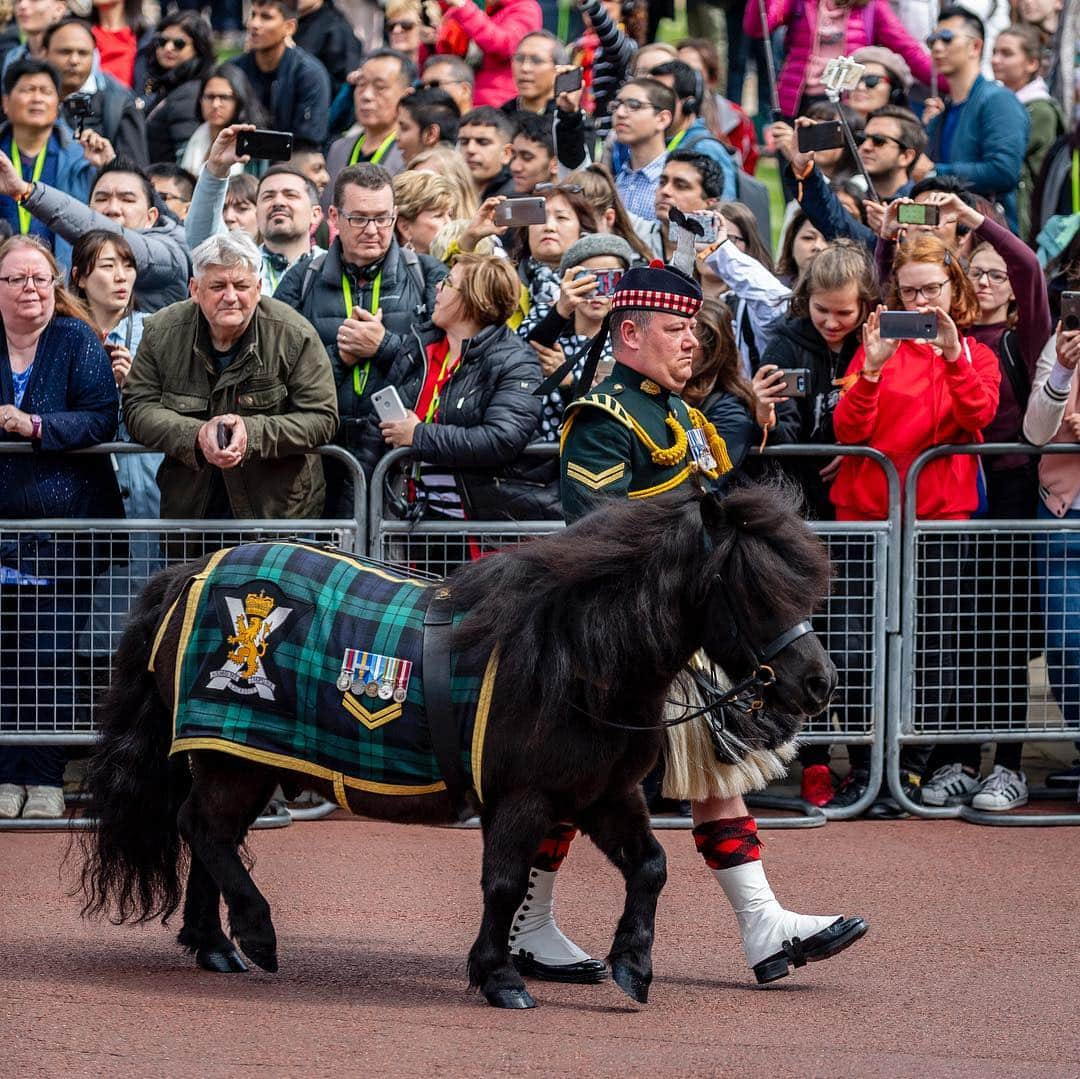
[[497, 35], [875, 24]]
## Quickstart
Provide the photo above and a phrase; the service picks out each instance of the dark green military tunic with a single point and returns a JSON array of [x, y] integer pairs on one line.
[[630, 438]]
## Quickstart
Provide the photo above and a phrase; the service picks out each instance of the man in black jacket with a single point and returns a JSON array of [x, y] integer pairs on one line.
[[292, 85], [94, 102], [365, 295], [324, 32]]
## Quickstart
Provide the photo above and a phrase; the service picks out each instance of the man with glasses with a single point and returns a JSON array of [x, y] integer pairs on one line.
[[363, 297], [642, 112], [980, 133], [534, 65], [452, 74], [378, 86], [174, 185]]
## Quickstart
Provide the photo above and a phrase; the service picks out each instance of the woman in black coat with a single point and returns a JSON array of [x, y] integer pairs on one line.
[[469, 387], [168, 77], [57, 393]]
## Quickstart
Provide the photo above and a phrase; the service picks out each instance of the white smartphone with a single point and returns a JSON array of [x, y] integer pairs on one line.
[[388, 406]]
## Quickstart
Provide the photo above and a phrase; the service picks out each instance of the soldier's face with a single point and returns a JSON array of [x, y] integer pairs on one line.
[[663, 352]]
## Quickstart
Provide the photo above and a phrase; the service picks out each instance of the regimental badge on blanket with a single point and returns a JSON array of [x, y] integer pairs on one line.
[[255, 620], [374, 686]]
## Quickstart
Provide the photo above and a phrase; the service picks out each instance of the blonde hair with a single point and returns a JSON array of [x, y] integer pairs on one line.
[[415, 192], [65, 305], [489, 289], [396, 8], [451, 165], [450, 234]]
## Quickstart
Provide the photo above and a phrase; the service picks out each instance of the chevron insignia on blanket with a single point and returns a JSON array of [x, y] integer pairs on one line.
[[311, 659]]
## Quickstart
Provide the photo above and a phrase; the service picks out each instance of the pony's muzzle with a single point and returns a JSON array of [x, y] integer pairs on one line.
[[818, 689]]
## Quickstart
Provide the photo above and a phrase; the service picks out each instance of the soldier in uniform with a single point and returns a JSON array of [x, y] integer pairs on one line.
[[634, 437]]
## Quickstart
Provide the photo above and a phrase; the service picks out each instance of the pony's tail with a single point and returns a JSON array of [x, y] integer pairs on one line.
[[132, 862]]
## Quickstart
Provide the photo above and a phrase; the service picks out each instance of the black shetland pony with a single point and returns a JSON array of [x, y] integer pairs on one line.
[[592, 623]]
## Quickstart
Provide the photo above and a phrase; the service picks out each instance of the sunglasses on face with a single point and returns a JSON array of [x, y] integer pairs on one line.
[[401, 24], [178, 43], [946, 37], [870, 81], [879, 141]]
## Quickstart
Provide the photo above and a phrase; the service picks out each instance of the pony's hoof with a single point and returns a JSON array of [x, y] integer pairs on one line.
[[221, 961], [632, 984], [510, 998]]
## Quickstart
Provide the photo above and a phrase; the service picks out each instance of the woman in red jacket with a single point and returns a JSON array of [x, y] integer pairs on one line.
[[903, 397]]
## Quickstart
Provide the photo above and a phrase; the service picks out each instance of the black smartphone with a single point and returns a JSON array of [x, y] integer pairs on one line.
[[826, 135], [224, 435], [265, 145], [908, 325], [1070, 310], [525, 211], [797, 382], [917, 213], [568, 81]]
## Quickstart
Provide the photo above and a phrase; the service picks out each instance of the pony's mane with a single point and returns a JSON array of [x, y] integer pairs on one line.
[[615, 598]]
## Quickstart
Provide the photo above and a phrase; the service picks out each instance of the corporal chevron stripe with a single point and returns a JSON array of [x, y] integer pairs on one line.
[[261, 658], [595, 480]]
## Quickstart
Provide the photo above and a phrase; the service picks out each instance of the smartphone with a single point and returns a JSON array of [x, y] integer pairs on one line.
[[908, 325], [525, 211], [388, 406], [917, 213], [568, 81], [606, 280], [826, 135], [224, 435], [1070, 310], [265, 145], [797, 382]]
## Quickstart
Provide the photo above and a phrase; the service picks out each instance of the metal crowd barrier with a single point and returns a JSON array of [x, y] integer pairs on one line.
[[866, 552], [974, 634], [62, 611]]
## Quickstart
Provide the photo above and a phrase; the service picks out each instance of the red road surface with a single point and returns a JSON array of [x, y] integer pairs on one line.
[[969, 969]]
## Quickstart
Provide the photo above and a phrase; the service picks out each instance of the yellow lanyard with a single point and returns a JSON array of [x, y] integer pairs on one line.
[[674, 144], [379, 153], [448, 362], [39, 167], [359, 380]]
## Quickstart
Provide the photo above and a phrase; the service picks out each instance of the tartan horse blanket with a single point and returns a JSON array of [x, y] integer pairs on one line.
[[306, 658]]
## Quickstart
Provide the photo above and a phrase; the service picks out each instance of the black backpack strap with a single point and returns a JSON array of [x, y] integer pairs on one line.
[[438, 630], [1015, 371], [416, 271], [313, 267]]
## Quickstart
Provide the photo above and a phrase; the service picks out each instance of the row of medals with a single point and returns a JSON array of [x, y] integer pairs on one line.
[[384, 690]]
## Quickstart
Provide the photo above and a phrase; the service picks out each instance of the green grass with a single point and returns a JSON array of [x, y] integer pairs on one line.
[[769, 175]]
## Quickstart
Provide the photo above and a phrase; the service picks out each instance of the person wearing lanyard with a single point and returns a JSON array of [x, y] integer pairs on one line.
[[40, 151], [378, 85], [287, 209]]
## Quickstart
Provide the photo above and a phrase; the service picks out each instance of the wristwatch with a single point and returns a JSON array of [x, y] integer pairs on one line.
[[26, 192], [35, 428]]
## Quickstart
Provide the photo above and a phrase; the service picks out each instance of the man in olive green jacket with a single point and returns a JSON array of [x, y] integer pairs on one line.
[[235, 389]]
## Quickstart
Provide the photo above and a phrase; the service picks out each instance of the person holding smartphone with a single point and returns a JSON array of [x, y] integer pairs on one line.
[[901, 397]]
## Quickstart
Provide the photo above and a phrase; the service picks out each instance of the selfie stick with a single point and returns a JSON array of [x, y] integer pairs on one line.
[[933, 8], [836, 78], [770, 66]]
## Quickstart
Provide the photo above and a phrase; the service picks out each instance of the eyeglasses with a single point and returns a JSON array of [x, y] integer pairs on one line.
[[928, 292], [946, 37], [525, 60], [633, 104], [178, 43], [996, 277], [401, 24], [574, 189], [879, 141], [360, 222], [870, 81], [39, 282], [445, 282], [213, 99], [737, 238]]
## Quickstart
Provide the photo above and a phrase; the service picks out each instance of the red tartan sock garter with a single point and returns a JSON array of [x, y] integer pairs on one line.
[[727, 843], [554, 848]]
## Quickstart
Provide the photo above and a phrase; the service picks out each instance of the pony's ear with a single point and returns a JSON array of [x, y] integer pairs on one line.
[[713, 515]]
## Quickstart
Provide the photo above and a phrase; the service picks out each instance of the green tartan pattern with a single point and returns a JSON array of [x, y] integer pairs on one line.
[[337, 602]]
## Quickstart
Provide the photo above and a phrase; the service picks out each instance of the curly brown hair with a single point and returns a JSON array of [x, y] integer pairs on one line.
[[925, 247], [721, 367]]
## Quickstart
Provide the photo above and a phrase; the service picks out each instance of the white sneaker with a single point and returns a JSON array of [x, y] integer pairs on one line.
[[43, 803], [12, 797], [1002, 789], [950, 785]]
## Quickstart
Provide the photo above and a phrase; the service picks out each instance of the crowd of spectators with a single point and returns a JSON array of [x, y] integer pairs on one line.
[[233, 314]]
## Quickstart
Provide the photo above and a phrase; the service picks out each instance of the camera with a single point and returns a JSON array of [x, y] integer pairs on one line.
[[80, 107], [701, 226]]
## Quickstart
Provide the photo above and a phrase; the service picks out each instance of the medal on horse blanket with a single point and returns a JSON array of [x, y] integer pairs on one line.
[[313, 660]]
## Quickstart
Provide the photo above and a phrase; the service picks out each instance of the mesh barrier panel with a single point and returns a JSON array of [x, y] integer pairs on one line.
[[63, 600], [992, 651]]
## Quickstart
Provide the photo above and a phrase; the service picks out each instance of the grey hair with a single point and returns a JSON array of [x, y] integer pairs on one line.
[[226, 249]]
